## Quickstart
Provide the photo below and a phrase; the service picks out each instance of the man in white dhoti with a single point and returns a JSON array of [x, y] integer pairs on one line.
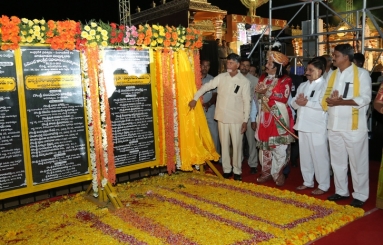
[[311, 124], [347, 98]]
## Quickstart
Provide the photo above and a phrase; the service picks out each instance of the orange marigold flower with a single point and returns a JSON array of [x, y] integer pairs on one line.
[[15, 20], [141, 36]]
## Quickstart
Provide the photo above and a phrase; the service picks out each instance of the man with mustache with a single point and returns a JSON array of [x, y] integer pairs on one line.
[[346, 98], [275, 121]]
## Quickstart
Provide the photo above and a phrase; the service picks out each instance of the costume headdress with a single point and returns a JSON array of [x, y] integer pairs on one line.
[[279, 58]]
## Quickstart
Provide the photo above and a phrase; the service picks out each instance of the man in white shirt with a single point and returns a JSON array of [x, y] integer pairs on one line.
[[347, 99], [250, 133], [232, 112], [209, 99]]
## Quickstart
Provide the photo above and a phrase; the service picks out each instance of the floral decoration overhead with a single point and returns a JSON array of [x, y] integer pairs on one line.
[[71, 35]]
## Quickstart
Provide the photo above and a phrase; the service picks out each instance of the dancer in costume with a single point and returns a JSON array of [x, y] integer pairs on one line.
[[232, 112], [347, 98], [378, 105], [274, 121], [312, 126]]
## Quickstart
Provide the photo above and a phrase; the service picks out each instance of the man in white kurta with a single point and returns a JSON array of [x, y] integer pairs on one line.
[[348, 134], [253, 153], [232, 112], [209, 99], [311, 125]]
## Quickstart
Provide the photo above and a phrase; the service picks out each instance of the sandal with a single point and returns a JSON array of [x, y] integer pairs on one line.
[[302, 187], [263, 178], [281, 180], [318, 191]]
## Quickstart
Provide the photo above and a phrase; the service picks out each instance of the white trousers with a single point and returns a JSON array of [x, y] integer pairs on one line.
[[231, 131], [314, 159], [253, 152], [350, 146]]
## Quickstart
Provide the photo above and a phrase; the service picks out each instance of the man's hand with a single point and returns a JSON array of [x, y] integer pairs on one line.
[[244, 127], [192, 104], [261, 88], [206, 106], [334, 99], [301, 100], [254, 126]]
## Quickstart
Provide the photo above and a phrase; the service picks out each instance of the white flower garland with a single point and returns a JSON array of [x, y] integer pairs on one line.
[[103, 113], [90, 124], [175, 116]]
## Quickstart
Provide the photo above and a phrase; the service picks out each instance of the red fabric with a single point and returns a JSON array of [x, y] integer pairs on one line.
[[280, 93]]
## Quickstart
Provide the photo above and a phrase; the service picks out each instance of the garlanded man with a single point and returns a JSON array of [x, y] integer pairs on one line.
[[275, 121]]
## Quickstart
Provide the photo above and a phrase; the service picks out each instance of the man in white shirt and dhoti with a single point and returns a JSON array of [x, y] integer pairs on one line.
[[346, 98]]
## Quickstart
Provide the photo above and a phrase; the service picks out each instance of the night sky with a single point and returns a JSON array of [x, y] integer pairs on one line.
[[108, 10]]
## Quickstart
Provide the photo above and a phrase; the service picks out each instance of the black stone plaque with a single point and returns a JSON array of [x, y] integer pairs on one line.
[[55, 113], [130, 99], [12, 171]]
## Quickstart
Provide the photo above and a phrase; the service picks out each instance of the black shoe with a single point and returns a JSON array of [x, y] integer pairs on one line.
[[237, 177], [356, 203], [336, 197], [227, 175], [253, 170]]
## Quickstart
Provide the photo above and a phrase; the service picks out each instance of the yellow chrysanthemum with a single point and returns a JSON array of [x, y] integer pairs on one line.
[[36, 33], [86, 28], [36, 21], [24, 20], [153, 43], [93, 24], [155, 27], [104, 32], [160, 40], [104, 43], [42, 22], [92, 32], [30, 31], [99, 29], [24, 33], [23, 39], [89, 37], [155, 34], [93, 44], [104, 38], [30, 23], [162, 33], [84, 34], [42, 40], [43, 28], [29, 39]]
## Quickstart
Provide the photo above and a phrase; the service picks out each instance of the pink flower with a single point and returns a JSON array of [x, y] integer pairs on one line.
[[126, 39], [132, 42]]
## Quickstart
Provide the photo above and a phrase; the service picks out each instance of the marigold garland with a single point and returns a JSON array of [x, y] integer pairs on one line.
[[168, 110], [160, 106], [92, 54], [106, 123]]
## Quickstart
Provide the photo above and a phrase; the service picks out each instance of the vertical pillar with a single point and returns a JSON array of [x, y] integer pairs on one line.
[[218, 27]]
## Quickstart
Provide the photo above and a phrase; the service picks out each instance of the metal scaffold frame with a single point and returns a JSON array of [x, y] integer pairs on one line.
[[345, 18], [124, 11]]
